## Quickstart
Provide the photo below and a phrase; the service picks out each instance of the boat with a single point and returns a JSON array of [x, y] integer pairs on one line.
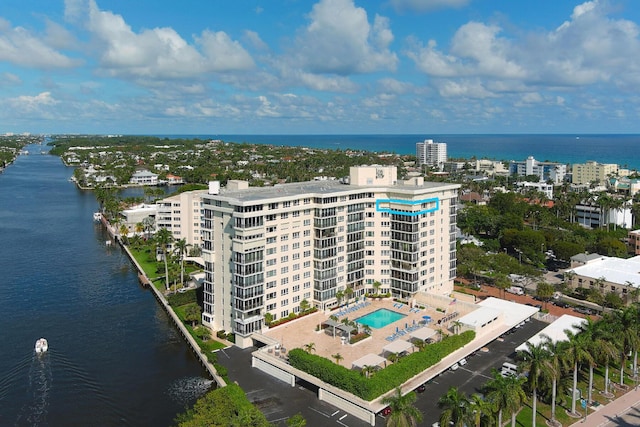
[[97, 216], [42, 345]]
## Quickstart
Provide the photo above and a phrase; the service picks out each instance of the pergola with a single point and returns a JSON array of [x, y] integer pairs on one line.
[[341, 326], [423, 334], [369, 360], [397, 347]]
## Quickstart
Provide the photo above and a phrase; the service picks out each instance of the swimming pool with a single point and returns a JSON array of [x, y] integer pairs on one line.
[[380, 318]]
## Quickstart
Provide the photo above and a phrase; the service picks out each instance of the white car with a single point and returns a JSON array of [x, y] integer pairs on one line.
[[462, 362], [455, 366]]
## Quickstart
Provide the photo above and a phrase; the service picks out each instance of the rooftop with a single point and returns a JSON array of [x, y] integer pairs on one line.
[[614, 270], [555, 331], [321, 188]]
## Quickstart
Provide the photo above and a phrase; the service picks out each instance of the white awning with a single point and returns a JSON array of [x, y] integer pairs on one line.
[[369, 360], [397, 346], [423, 333]]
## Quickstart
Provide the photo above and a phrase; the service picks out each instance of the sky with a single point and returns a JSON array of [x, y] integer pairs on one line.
[[325, 67]]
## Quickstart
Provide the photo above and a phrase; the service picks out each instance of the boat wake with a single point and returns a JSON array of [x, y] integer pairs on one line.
[[40, 382], [187, 390]]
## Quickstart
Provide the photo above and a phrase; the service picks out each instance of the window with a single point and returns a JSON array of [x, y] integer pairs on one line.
[[284, 258], [284, 237], [271, 307], [284, 281], [296, 299], [284, 302], [271, 273], [284, 248], [284, 313], [296, 288], [284, 270], [271, 240], [284, 291], [271, 262]]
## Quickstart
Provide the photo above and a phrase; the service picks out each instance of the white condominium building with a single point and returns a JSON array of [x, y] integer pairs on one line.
[[431, 153], [266, 250], [590, 172], [181, 214]]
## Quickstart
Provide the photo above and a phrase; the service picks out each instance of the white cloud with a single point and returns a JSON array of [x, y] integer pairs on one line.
[[426, 5], [9, 79], [340, 40], [589, 48], [161, 53], [390, 85], [32, 104], [489, 54], [266, 109], [21, 47], [463, 88], [254, 39]]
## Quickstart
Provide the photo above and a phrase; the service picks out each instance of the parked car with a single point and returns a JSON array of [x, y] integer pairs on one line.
[[386, 411], [455, 366], [421, 388], [462, 362]]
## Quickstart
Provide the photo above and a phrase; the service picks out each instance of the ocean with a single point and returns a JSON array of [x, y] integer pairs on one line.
[[615, 148]]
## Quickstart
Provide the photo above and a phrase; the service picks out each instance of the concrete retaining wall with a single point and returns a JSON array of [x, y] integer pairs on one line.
[[347, 406], [274, 371]]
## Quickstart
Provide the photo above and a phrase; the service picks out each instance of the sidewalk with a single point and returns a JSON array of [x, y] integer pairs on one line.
[[621, 412]]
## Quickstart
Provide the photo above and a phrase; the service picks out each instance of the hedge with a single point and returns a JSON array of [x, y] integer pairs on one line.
[[384, 380]]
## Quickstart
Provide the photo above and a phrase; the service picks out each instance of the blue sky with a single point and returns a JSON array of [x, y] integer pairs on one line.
[[324, 67]]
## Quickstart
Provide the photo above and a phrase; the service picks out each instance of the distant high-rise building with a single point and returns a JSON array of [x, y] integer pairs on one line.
[[431, 153], [593, 172]]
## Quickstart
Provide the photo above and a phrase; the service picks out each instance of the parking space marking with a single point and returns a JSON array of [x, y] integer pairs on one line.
[[343, 417], [319, 412]]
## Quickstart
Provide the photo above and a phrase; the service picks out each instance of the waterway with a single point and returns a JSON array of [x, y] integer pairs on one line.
[[114, 358]]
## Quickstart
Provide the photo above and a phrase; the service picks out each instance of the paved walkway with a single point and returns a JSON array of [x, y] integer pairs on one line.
[[622, 412]]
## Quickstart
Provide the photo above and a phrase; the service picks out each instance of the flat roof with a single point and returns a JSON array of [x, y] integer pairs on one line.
[[480, 316], [614, 270], [555, 331], [324, 189], [512, 312]]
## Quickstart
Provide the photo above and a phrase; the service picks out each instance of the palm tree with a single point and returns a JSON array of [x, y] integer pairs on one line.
[[506, 394], [534, 360], [626, 328], [310, 348], [338, 357], [181, 247], [139, 228], [455, 408], [553, 370], [368, 370], [163, 239], [575, 353], [149, 224], [124, 232], [403, 413], [481, 410]]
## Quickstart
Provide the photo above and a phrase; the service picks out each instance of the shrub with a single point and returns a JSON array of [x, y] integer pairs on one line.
[[384, 380]]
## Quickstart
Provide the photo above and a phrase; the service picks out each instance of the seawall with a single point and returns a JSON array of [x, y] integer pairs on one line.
[[172, 315]]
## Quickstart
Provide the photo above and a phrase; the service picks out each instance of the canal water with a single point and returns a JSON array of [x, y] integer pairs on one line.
[[114, 358]]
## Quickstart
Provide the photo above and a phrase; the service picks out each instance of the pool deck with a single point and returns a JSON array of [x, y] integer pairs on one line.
[[298, 333]]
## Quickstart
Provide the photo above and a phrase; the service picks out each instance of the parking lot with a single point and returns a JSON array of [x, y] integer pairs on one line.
[[279, 401], [472, 376]]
